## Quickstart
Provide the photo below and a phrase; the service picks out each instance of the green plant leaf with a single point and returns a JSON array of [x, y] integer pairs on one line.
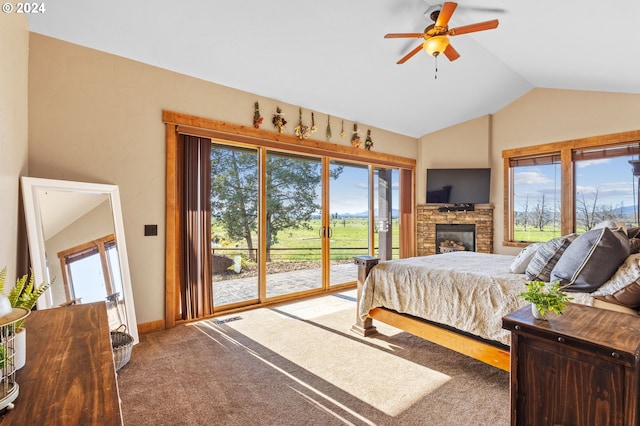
[[546, 297]]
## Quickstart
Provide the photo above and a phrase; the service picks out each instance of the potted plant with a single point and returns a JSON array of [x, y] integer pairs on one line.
[[545, 298], [24, 294]]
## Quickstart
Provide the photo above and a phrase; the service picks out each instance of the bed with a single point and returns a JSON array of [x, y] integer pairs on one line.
[[458, 299]]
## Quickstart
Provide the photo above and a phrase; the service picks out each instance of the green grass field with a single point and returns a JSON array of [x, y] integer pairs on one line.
[[534, 234], [349, 238]]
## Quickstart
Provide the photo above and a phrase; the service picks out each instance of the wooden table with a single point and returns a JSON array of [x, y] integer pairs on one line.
[[69, 377]]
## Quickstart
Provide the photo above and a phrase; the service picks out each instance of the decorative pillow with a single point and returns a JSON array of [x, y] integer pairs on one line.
[[633, 232], [520, 263], [591, 259], [624, 286], [634, 245], [611, 224], [547, 256]]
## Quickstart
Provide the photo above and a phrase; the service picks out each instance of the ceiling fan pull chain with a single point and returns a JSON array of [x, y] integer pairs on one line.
[[435, 76]]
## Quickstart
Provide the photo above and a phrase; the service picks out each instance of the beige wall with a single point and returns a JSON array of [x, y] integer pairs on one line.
[[466, 145], [14, 49], [97, 117]]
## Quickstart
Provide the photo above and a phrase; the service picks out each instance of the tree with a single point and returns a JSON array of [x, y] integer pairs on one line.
[[234, 193], [524, 215], [540, 214], [586, 209], [291, 193]]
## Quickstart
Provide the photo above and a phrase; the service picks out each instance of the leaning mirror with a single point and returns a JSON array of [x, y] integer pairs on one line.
[[76, 242]]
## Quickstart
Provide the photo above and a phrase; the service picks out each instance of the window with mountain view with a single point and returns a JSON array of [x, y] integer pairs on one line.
[[565, 187], [605, 187]]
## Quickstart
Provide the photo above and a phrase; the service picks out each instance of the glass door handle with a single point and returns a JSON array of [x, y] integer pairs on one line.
[[325, 232]]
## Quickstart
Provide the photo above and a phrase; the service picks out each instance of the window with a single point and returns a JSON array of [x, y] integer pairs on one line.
[[564, 187], [91, 271], [605, 187], [536, 197]]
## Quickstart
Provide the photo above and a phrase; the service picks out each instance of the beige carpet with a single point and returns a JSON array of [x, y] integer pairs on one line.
[[298, 364]]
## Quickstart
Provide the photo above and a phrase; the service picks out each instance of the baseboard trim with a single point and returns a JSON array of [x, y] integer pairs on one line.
[[150, 327]]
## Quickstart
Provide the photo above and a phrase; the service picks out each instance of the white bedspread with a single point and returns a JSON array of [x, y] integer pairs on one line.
[[467, 290]]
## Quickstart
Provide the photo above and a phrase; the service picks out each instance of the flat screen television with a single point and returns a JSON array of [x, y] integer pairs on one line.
[[458, 186]]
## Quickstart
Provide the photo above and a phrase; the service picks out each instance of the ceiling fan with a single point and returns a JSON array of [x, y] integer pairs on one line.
[[435, 35]]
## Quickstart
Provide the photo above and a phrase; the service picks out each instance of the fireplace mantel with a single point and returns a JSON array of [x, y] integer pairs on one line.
[[428, 215]]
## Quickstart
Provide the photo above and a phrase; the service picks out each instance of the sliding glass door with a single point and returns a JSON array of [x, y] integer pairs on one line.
[[283, 223], [349, 219], [234, 224], [294, 230]]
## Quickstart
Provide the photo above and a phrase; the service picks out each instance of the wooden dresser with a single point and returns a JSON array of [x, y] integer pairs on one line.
[[580, 368], [69, 377]]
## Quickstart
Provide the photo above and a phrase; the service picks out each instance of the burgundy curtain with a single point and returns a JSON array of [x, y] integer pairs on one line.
[[196, 283]]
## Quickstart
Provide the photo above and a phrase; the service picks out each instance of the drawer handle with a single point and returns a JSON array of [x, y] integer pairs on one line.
[[561, 339], [616, 355]]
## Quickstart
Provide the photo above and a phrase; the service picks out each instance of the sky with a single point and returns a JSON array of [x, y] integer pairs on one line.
[[611, 178], [349, 193]]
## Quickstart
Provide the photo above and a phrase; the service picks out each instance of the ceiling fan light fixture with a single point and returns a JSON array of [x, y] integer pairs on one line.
[[435, 45]]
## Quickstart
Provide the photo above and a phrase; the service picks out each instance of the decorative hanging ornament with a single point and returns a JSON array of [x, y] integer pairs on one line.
[[301, 131], [314, 128], [278, 120], [368, 142], [327, 132], [342, 133], [355, 136], [257, 118]]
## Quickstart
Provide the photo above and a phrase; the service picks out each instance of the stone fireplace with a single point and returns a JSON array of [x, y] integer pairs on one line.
[[477, 235]]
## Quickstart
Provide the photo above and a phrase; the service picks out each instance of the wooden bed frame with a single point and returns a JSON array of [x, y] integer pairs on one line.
[[457, 341]]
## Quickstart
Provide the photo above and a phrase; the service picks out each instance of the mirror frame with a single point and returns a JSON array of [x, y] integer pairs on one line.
[[33, 217]]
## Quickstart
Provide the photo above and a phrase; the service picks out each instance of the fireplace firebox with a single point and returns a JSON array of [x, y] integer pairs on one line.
[[455, 237]]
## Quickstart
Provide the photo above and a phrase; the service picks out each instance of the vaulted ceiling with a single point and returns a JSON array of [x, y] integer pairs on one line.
[[332, 57]]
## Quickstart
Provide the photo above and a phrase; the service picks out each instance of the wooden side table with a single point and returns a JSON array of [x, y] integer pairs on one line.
[[579, 368]]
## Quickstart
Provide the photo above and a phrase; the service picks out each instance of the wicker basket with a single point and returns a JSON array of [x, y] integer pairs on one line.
[[122, 343]]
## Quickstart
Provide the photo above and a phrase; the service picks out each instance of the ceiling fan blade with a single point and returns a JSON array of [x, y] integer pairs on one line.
[[480, 26], [445, 13], [408, 56], [451, 53], [404, 35]]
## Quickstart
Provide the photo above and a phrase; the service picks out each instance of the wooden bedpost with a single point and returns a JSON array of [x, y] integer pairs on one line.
[[365, 263]]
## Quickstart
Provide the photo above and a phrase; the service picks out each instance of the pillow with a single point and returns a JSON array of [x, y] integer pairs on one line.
[[591, 259], [633, 232], [520, 263], [547, 256], [611, 224], [634, 245], [624, 286]]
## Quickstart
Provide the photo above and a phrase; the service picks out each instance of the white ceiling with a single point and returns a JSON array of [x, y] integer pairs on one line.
[[331, 57]]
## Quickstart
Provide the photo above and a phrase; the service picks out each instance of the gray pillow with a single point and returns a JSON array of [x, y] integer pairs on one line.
[[591, 259], [547, 256]]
